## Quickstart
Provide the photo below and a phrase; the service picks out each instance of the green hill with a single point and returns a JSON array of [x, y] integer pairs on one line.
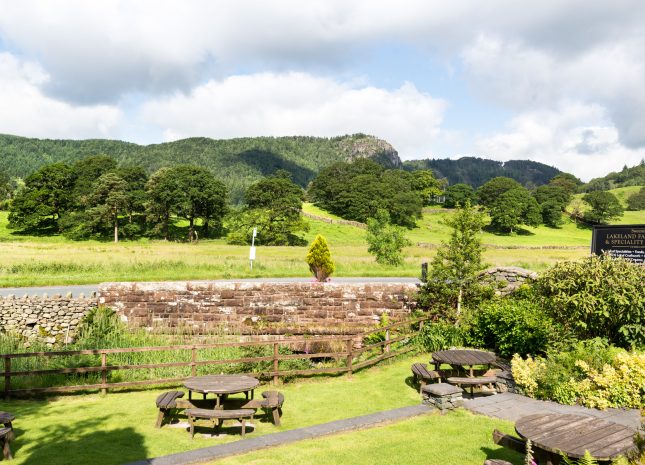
[[634, 176], [477, 171], [238, 162]]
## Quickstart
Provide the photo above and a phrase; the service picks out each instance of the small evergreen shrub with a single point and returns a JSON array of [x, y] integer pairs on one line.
[[319, 259]]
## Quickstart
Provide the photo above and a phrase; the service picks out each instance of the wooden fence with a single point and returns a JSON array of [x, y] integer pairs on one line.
[[392, 344]]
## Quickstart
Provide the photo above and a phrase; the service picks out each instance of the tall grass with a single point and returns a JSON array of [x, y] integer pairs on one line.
[[101, 329]]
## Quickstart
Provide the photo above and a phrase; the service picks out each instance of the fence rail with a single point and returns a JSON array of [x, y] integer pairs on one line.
[[392, 335]]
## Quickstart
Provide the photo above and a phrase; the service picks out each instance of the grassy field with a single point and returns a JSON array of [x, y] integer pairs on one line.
[[54, 260], [119, 427]]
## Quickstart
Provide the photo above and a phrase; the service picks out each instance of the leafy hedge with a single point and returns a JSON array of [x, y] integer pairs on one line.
[[591, 373], [509, 326], [597, 297]]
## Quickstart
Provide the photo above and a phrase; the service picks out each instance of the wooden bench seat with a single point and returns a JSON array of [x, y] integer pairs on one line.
[[422, 375], [217, 416], [509, 442], [5, 438], [166, 403], [272, 402], [473, 381]]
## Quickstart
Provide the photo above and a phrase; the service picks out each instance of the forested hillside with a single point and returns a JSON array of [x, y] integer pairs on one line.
[[477, 171], [634, 176], [238, 162]]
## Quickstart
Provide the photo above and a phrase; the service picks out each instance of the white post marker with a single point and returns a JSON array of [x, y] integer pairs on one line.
[[252, 251]]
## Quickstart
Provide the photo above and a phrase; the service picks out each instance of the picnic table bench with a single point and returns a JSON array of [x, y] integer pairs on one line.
[[472, 382], [218, 416], [5, 438], [422, 375], [272, 402], [167, 403]]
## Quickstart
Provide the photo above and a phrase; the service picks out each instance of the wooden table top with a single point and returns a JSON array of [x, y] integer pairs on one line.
[[221, 384], [464, 357], [572, 435]]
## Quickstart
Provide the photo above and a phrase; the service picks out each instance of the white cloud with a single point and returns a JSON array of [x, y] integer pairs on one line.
[[28, 112], [526, 78], [575, 138], [189, 57], [268, 104]]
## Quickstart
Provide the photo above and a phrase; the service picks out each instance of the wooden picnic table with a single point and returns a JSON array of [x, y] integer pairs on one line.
[[221, 386], [463, 358], [555, 434]]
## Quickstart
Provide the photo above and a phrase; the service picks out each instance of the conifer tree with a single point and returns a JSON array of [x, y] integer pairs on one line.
[[319, 259]]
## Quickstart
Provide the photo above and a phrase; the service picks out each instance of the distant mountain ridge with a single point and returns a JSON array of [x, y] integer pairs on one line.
[[238, 162], [477, 171], [242, 161]]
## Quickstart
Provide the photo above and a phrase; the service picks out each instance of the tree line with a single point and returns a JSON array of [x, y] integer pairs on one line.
[[95, 197]]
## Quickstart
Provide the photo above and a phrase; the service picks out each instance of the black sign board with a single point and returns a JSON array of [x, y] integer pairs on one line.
[[627, 241]]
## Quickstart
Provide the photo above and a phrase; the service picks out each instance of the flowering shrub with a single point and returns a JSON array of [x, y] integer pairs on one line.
[[618, 382]]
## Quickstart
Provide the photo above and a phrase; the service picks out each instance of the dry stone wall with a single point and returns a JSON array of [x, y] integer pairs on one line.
[[251, 308], [507, 279], [49, 320]]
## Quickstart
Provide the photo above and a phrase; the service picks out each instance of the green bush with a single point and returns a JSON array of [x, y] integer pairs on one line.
[[597, 297], [510, 326], [591, 373], [439, 336]]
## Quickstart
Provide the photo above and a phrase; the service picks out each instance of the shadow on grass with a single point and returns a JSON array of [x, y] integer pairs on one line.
[[503, 454], [516, 232], [83, 443]]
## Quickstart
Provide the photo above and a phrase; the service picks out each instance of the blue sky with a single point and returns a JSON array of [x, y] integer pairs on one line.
[[560, 82]]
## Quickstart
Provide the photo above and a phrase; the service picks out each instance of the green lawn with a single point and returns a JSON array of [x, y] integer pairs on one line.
[[119, 427]]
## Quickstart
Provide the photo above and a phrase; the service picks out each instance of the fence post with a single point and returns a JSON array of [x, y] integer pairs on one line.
[[421, 324], [103, 372], [387, 341], [7, 377], [350, 356], [193, 360], [276, 378]]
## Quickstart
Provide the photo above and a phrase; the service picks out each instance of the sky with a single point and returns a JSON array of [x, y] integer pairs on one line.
[[561, 82]]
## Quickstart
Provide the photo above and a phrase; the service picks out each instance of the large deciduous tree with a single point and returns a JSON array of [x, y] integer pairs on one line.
[[162, 193], [490, 192], [513, 208], [46, 196], [458, 195], [198, 195], [604, 207], [357, 190], [273, 206]]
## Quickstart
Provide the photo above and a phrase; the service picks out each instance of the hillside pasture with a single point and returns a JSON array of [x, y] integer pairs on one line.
[[55, 260]]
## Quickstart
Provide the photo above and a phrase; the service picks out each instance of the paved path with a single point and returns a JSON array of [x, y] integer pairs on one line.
[[511, 407], [89, 288], [277, 439]]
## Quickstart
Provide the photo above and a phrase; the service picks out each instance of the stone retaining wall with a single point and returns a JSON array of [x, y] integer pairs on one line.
[[51, 320], [249, 308], [242, 307]]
